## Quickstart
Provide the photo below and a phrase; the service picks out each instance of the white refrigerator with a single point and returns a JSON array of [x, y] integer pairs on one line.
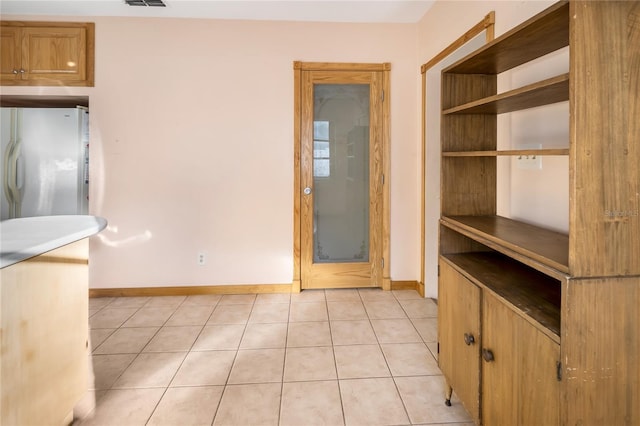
[[45, 161]]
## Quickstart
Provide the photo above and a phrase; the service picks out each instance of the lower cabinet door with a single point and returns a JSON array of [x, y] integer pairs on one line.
[[539, 387], [499, 363], [44, 344], [459, 336], [519, 369]]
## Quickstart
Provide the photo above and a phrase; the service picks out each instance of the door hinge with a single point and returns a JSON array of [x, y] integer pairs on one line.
[[438, 348], [438, 270], [382, 262], [382, 96], [559, 371], [383, 179]]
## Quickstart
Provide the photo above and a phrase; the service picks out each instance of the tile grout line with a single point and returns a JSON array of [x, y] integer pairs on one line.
[[142, 351], [181, 363], [335, 362], [124, 369], [130, 353], [393, 377], [235, 358], [117, 328], [284, 363]]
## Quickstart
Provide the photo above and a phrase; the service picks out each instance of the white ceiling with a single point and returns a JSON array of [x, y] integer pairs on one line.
[[390, 11]]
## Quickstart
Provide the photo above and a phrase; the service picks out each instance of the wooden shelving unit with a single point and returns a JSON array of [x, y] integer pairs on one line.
[[509, 152], [539, 248], [538, 300], [543, 315], [534, 38], [545, 92]]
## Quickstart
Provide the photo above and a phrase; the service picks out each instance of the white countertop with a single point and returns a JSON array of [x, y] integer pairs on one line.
[[21, 239]]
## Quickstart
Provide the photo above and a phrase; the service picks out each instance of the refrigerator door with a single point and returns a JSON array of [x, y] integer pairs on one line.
[[10, 194], [83, 170], [50, 167]]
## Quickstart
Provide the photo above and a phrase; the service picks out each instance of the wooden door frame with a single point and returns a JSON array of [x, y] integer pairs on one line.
[[486, 24], [298, 67]]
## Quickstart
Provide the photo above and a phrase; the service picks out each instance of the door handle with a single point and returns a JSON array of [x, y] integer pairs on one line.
[[8, 166], [307, 190]]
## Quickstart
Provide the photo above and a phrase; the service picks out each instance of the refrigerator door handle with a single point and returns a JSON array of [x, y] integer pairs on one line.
[[8, 172], [9, 178], [19, 173], [18, 180], [11, 162], [17, 159], [12, 170], [12, 187]]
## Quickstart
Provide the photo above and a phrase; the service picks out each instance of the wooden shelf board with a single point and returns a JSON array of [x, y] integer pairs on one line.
[[509, 152], [534, 296], [546, 92], [544, 33], [542, 249]]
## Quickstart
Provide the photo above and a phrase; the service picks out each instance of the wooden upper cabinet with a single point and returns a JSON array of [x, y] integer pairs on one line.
[[47, 53], [9, 52]]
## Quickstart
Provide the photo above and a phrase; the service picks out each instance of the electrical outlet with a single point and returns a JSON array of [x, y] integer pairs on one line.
[[201, 258]]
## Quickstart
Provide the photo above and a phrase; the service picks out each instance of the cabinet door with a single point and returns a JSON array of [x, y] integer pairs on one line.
[[539, 387], [459, 315], [499, 384], [519, 382], [10, 53], [44, 341], [54, 53]]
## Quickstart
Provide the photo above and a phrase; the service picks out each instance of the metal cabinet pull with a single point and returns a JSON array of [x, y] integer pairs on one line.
[[487, 355], [469, 339]]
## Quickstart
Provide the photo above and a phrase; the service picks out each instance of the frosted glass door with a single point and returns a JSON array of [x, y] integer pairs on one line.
[[341, 173], [341, 179]]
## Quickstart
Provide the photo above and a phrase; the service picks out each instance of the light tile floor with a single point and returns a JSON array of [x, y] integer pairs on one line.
[[331, 357]]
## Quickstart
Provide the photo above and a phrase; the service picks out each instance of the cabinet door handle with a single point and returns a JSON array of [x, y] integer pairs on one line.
[[469, 339], [487, 355], [22, 71], [15, 71]]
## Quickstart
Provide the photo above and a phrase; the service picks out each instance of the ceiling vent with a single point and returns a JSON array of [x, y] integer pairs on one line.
[[155, 3]]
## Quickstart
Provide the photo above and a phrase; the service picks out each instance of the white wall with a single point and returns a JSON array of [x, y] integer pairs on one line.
[[539, 196], [192, 141], [192, 145], [536, 196]]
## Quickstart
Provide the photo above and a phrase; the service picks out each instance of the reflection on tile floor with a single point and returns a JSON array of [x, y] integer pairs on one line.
[[326, 357]]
